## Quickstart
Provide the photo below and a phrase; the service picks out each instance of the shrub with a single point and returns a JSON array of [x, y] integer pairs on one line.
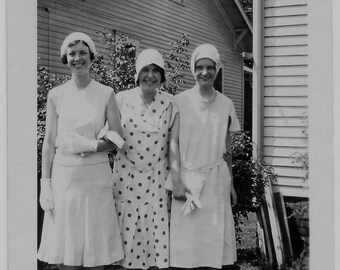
[[250, 178], [177, 60], [45, 82]]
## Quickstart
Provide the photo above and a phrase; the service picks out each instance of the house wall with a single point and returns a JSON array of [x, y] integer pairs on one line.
[[283, 88], [151, 23]]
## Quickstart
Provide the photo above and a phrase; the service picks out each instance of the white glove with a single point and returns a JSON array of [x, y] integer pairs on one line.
[[115, 138], [190, 204], [76, 144], [46, 197]]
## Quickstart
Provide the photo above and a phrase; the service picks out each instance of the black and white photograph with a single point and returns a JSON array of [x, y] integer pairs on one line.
[[169, 134]]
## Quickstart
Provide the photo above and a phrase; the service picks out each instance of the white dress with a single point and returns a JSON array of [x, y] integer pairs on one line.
[[139, 175], [83, 229], [205, 236]]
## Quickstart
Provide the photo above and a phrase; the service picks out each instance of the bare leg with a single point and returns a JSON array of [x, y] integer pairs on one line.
[[68, 267], [95, 268]]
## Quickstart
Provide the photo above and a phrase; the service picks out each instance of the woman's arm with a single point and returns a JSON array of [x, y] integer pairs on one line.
[[178, 189], [48, 152], [113, 118], [48, 148], [230, 166]]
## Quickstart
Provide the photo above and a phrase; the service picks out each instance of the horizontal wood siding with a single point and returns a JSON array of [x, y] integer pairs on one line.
[[152, 23], [285, 91]]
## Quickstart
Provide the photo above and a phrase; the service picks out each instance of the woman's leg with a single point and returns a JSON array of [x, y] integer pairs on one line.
[[95, 268], [68, 267]]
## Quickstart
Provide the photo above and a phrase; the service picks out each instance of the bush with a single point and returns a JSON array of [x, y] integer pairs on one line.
[[45, 82], [250, 178]]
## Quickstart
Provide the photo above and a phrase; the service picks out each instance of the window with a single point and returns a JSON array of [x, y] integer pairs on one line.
[[218, 83]]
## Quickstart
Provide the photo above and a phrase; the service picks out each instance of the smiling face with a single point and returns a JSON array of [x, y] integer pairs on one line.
[[150, 78], [78, 58], [205, 72]]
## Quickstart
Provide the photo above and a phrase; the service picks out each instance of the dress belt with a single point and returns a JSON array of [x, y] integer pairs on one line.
[[204, 168], [141, 169]]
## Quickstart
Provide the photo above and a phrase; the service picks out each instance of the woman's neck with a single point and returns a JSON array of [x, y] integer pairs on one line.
[[81, 81], [206, 92], [148, 96]]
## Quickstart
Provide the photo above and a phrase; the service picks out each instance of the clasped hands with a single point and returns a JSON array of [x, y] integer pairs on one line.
[[77, 144], [182, 193]]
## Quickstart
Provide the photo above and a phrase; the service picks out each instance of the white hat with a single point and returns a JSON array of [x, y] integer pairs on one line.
[[205, 51], [147, 57], [77, 36]]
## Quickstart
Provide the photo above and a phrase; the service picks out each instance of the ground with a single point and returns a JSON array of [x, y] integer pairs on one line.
[[247, 250]]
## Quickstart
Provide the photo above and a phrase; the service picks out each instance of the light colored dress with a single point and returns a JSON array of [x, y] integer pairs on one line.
[[205, 236], [139, 175], [83, 229]]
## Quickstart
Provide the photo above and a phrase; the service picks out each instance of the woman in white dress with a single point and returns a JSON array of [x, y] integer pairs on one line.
[[202, 227], [141, 166], [80, 229]]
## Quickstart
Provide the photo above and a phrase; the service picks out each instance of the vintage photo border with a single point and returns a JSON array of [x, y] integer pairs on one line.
[[20, 226]]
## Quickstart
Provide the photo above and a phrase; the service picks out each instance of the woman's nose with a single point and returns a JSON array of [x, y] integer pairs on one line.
[[204, 71]]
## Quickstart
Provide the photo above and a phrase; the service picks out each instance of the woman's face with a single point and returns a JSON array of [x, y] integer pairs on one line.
[[205, 72], [150, 77], [78, 58]]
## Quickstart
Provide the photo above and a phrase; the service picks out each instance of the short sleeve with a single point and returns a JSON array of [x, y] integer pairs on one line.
[[174, 112], [235, 124]]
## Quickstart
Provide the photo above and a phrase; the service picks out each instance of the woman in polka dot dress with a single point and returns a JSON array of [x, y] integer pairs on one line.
[[141, 166]]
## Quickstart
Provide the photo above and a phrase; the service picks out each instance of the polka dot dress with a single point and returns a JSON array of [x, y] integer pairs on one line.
[[140, 172]]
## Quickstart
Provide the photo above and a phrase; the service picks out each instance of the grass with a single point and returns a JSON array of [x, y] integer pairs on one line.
[[248, 254]]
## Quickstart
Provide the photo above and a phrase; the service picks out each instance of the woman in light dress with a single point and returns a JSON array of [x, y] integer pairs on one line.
[[202, 228], [141, 166], [80, 229]]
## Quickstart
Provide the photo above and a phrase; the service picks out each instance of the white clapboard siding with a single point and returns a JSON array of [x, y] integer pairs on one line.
[[283, 112], [285, 101], [286, 40], [278, 151], [283, 3], [152, 23], [284, 122], [285, 142], [286, 50], [286, 21], [287, 71], [292, 91]]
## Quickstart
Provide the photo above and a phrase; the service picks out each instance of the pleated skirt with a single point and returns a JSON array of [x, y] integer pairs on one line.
[[83, 227]]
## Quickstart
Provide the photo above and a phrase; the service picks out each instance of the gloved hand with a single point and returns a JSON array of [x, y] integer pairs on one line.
[[194, 180], [46, 197], [179, 190], [76, 144], [115, 138], [190, 204]]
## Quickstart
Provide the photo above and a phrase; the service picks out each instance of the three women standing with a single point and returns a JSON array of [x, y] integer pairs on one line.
[[80, 224]]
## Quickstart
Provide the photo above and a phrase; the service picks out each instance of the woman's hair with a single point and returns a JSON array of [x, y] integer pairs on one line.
[[71, 44], [147, 57]]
